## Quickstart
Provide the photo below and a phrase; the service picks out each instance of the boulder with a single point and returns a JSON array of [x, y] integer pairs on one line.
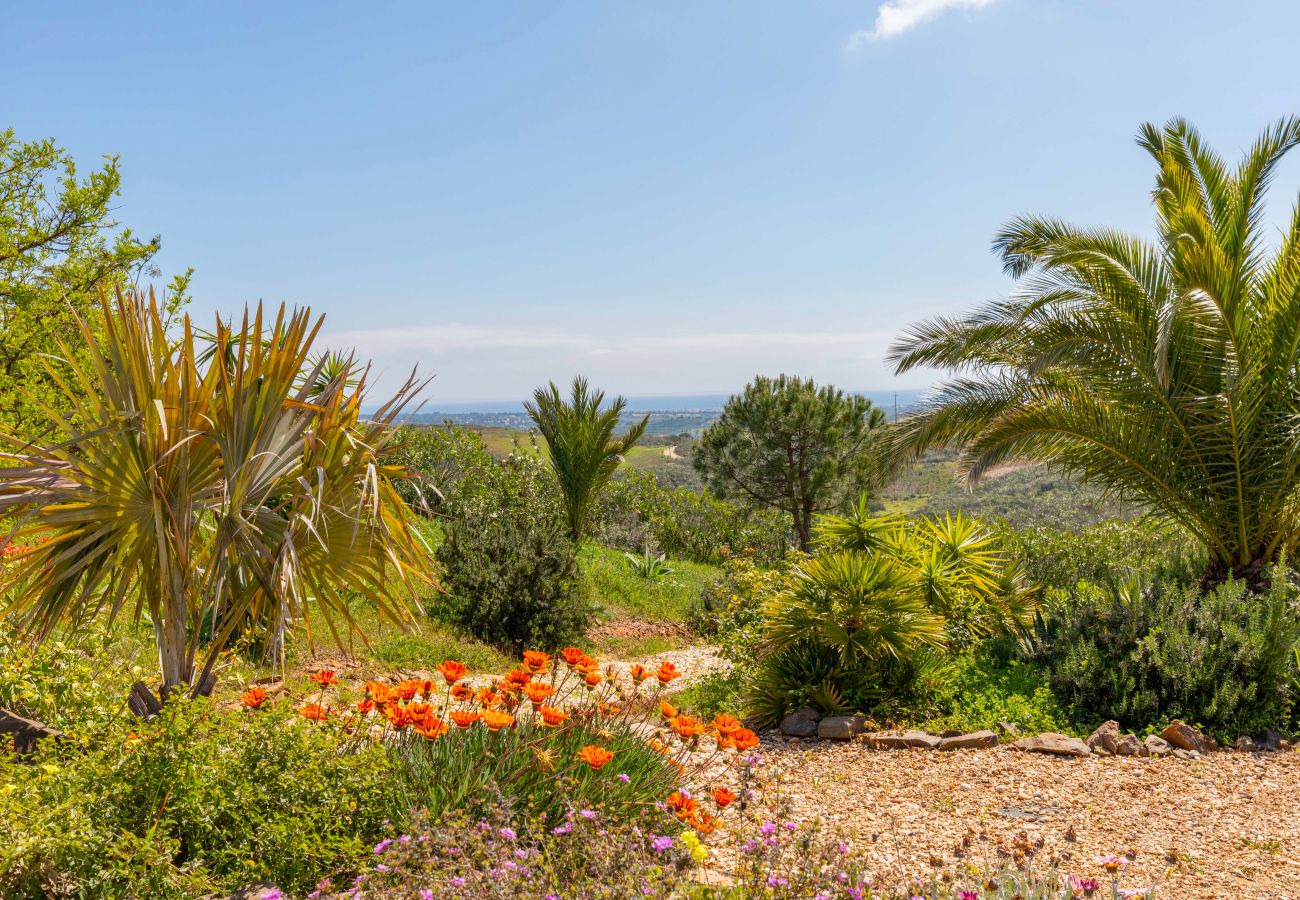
[[1245, 745], [801, 723], [903, 740], [1129, 745], [1057, 744], [1185, 737], [972, 741], [1105, 737], [1156, 746], [1010, 729], [841, 728], [26, 733], [1273, 741]]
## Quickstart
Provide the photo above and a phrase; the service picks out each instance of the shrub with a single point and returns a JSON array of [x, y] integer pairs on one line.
[[510, 568], [443, 460], [198, 801], [1223, 658]]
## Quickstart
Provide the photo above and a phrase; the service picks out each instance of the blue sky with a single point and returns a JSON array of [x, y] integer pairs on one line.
[[669, 197]]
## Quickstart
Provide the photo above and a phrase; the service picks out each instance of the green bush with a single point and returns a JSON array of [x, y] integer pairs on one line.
[[1223, 659], [198, 801], [510, 568], [445, 461], [610, 579]]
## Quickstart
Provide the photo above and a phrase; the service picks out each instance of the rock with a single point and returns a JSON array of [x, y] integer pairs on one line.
[[255, 892], [1273, 741], [26, 733], [1105, 737], [1009, 729], [1129, 745], [1184, 736], [1180, 753], [1050, 742], [902, 740], [1245, 745], [801, 723], [1156, 746], [972, 741], [841, 728]]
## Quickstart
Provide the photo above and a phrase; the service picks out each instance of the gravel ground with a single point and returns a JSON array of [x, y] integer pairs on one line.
[[1221, 826]]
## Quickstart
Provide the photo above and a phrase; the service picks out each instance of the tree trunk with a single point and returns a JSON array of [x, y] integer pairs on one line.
[[1255, 574], [173, 647], [803, 518]]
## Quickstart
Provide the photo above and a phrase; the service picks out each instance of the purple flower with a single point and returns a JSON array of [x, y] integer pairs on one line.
[[521, 854], [272, 894], [624, 777], [383, 846], [789, 826], [842, 848], [427, 893], [563, 829], [508, 834], [380, 867], [588, 814], [777, 881], [967, 895], [661, 843], [768, 829], [456, 881]]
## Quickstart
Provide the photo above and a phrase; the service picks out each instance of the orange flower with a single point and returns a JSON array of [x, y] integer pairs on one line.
[[595, 756], [398, 716], [516, 679], [592, 678], [743, 739], [253, 697], [464, 718], [487, 697], [365, 707], [723, 797], [552, 716], [658, 746], [495, 720], [667, 710], [426, 688], [379, 692], [315, 712], [432, 729], [453, 671], [682, 804], [724, 724], [702, 822], [324, 678], [462, 693], [408, 689], [686, 726], [420, 713], [587, 664], [538, 691], [536, 661], [667, 672], [571, 655], [639, 673]]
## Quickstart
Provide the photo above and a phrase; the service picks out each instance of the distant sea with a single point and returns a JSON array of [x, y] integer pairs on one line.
[[669, 413]]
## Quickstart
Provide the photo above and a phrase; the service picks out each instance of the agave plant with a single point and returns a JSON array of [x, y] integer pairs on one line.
[[221, 488], [649, 567], [581, 444], [1165, 370]]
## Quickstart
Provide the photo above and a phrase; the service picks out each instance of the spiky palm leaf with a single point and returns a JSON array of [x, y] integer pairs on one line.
[[209, 487], [581, 444], [1165, 371]]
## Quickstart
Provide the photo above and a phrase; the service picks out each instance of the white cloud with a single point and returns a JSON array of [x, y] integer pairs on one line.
[[898, 16]]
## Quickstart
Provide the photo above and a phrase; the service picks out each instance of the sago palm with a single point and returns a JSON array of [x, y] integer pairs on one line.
[[231, 493], [1166, 370], [581, 444]]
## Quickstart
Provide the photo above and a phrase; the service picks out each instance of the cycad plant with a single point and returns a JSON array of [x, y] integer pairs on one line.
[[876, 609], [580, 441], [210, 496], [1165, 370]]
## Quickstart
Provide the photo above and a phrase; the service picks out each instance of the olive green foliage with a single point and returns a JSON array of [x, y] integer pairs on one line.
[[871, 617], [1223, 658], [787, 443], [197, 802], [59, 244], [1164, 371], [443, 460], [581, 445], [209, 492], [636, 513], [510, 567], [981, 690]]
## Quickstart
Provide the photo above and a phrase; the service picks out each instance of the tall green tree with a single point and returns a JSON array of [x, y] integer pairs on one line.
[[59, 243], [206, 494], [791, 445], [1166, 370], [581, 444]]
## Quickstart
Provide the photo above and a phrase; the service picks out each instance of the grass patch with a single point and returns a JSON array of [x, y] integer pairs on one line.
[[984, 691], [613, 584]]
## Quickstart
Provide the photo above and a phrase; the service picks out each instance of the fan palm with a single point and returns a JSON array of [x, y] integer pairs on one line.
[[1166, 370], [581, 444], [227, 492]]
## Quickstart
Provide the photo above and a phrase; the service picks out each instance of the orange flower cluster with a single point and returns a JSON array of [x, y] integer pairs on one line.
[[253, 698], [324, 678], [595, 756], [687, 809]]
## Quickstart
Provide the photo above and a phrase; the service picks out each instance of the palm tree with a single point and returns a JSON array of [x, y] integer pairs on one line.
[[228, 492], [580, 441], [1166, 370]]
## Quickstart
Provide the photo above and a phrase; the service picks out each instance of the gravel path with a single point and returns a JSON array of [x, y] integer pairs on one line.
[[1221, 826]]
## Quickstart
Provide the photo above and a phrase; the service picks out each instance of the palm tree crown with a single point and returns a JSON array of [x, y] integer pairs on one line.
[[1165, 371]]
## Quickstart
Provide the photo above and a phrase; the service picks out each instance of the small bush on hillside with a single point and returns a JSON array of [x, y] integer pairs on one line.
[[1223, 659], [444, 460], [510, 569]]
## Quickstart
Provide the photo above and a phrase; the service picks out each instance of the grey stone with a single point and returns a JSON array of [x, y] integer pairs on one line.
[[1156, 746], [1245, 745], [902, 740], [1009, 728], [1184, 736], [841, 728], [1105, 737], [972, 741], [801, 723], [1057, 744], [1129, 745], [1273, 741]]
